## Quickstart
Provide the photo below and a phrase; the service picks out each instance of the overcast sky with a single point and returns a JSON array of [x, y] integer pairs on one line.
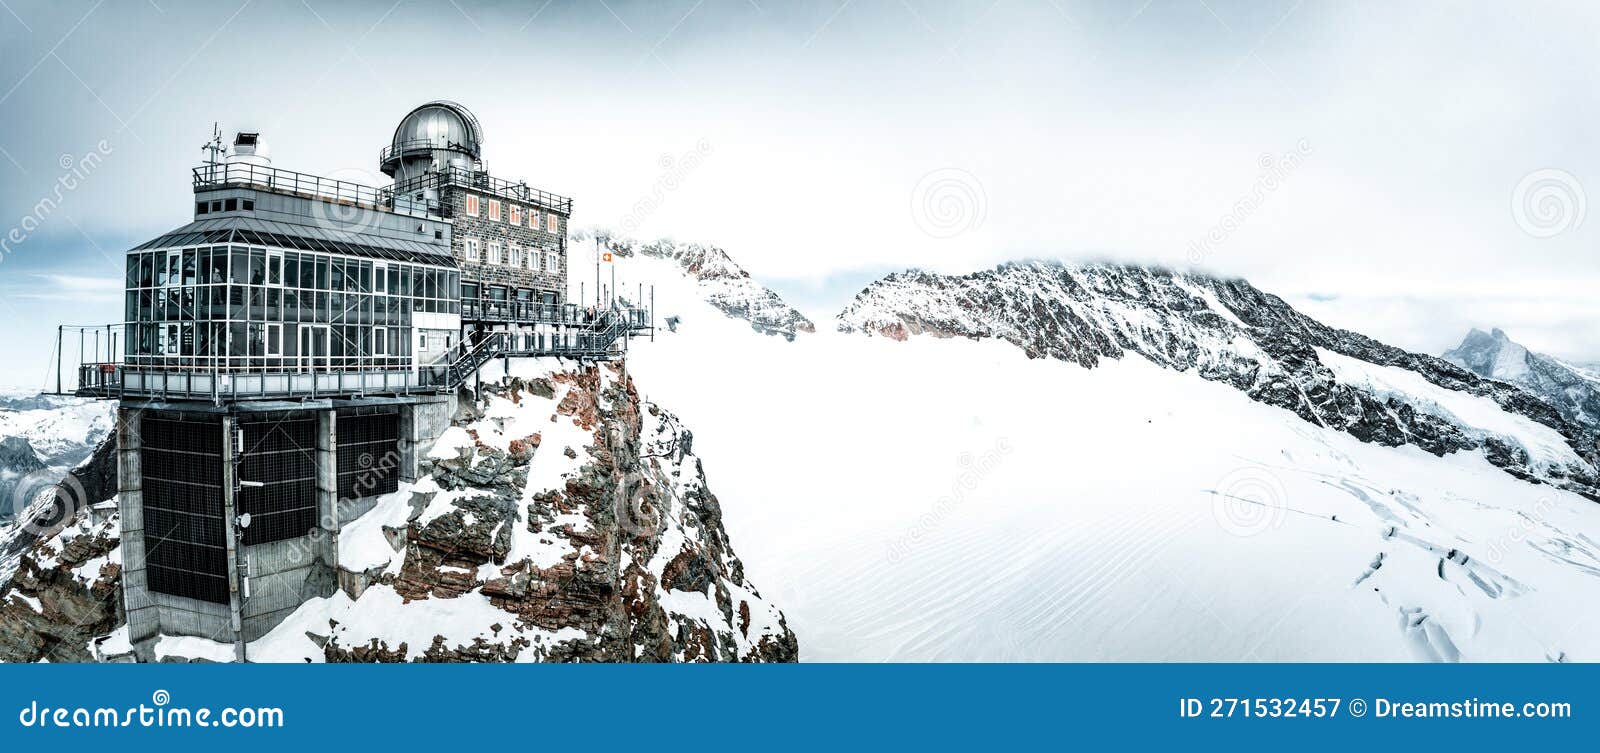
[[1408, 170]]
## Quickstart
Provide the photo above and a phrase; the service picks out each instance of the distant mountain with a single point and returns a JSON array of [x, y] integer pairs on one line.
[[724, 284], [1573, 389], [1229, 331]]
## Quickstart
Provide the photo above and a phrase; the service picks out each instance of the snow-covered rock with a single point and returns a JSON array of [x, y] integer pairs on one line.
[[719, 281], [1573, 389], [562, 519], [1228, 331], [66, 595]]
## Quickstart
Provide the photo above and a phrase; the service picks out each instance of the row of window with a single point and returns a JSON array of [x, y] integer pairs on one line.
[[275, 268], [511, 255], [224, 205], [240, 345], [513, 214]]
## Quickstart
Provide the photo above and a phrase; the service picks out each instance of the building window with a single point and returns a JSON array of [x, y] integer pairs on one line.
[[550, 222], [474, 254], [380, 341], [533, 219], [551, 263], [494, 252], [201, 207], [472, 205], [380, 277], [274, 339], [533, 260], [515, 257], [516, 214], [275, 268], [494, 210]]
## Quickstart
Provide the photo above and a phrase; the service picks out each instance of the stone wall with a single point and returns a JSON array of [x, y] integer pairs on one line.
[[485, 230]]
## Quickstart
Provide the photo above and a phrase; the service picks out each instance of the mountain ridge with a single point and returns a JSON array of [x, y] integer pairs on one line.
[[1226, 330]]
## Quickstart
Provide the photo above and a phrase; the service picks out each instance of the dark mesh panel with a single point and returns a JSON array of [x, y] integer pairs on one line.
[[369, 454], [281, 454], [185, 552]]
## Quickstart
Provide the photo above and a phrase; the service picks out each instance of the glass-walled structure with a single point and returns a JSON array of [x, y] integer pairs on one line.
[[240, 299]]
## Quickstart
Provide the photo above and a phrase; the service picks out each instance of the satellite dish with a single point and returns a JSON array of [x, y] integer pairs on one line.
[[244, 520]]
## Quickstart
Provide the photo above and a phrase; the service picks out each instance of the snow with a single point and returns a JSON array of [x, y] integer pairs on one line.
[[191, 647], [1544, 444], [953, 500], [363, 545], [382, 613]]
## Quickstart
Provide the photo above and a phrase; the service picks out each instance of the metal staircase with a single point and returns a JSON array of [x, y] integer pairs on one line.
[[591, 341]]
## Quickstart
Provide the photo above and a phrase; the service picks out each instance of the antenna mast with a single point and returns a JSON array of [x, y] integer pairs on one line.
[[214, 149]]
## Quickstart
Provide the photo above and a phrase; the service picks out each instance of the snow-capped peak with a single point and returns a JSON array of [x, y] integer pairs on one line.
[[1229, 331], [1573, 390]]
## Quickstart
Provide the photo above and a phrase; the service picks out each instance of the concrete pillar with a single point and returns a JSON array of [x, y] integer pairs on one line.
[[328, 514], [144, 621], [230, 485]]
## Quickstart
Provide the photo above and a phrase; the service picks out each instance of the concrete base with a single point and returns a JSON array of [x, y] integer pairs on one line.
[[273, 579]]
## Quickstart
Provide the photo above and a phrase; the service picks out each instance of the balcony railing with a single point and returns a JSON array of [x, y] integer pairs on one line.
[[207, 177], [482, 181], [306, 185], [565, 331]]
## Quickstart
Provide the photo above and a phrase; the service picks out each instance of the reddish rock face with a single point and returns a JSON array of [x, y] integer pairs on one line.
[[636, 515]]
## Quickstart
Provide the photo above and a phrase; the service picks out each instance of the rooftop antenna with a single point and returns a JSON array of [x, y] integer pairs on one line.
[[214, 149]]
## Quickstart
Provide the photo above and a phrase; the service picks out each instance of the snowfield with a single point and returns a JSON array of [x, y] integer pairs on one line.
[[945, 499]]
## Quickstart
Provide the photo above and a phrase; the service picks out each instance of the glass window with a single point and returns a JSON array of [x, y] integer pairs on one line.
[[494, 252], [380, 278], [550, 222], [494, 210], [274, 267], [472, 205], [274, 339], [516, 214]]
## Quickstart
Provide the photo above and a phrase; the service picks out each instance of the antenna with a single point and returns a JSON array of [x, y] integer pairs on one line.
[[214, 148]]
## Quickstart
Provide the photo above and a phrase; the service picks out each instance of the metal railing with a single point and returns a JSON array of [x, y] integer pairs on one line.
[[581, 335], [246, 175], [240, 174]]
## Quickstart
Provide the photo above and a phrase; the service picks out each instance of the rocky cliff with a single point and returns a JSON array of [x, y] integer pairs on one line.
[[560, 518]]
